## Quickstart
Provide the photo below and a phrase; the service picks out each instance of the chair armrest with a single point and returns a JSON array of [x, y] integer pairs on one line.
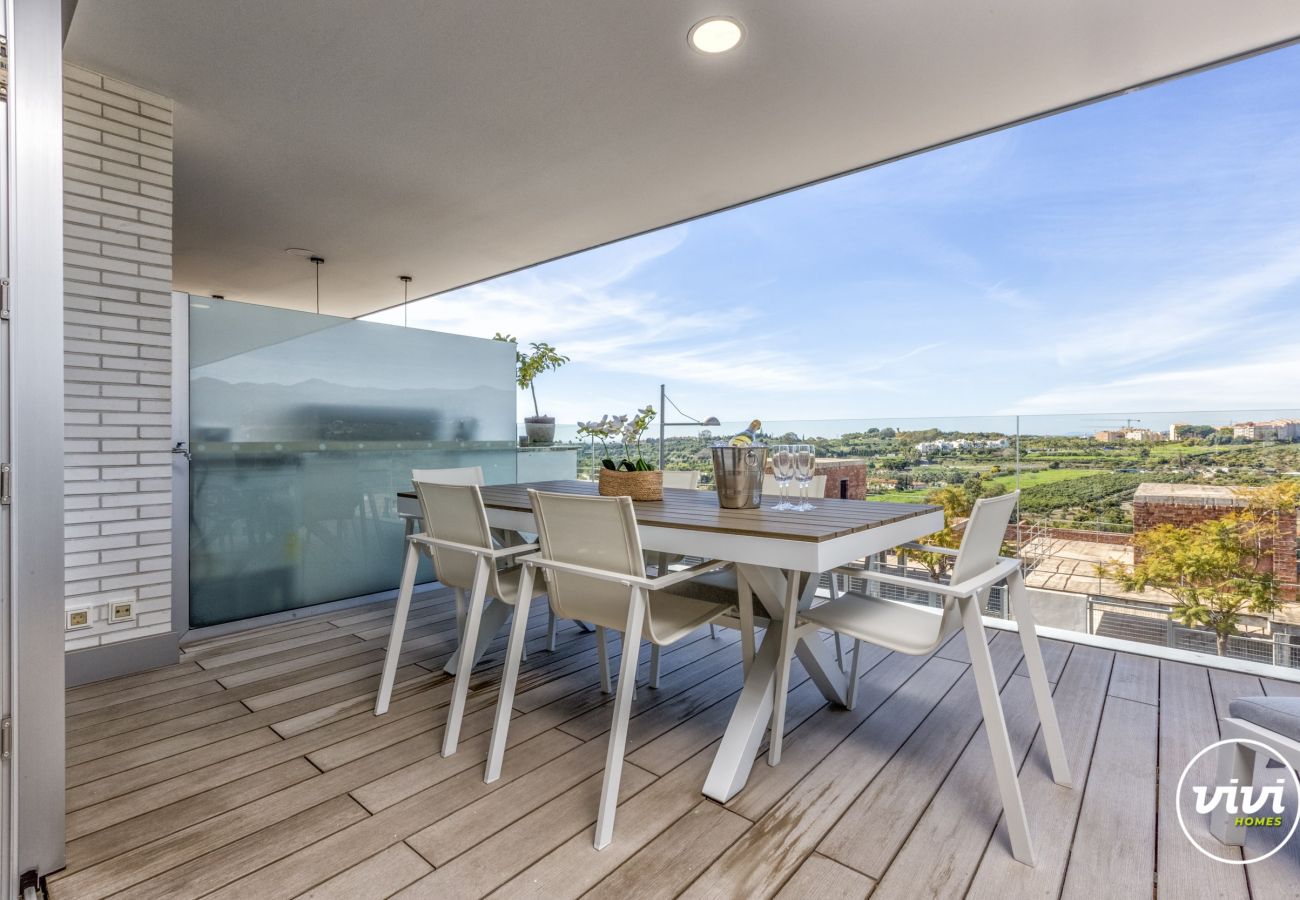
[[927, 548], [505, 552], [709, 565], [489, 552], [967, 588], [650, 584]]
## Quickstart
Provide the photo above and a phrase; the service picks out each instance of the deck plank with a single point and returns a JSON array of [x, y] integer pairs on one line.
[[1118, 803], [1187, 726]]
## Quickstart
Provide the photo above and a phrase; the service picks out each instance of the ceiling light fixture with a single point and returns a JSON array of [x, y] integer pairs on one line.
[[317, 261], [300, 252], [406, 297], [716, 34]]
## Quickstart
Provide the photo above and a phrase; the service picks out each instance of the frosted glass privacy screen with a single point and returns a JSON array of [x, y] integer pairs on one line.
[[303, 428]]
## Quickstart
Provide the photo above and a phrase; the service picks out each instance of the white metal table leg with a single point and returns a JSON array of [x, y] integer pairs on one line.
[[466, 657], [753, 713], [495, 613], [745, 598], [748, 723], [403, 607], [818, 659], [789, 630], [509, 678]]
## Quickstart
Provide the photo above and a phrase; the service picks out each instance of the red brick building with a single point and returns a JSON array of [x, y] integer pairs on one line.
[[1182, 505]]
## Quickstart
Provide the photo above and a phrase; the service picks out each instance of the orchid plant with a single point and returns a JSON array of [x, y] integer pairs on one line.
[[625, 430]]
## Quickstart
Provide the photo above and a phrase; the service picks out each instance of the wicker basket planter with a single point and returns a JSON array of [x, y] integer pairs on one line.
[[637, 485]]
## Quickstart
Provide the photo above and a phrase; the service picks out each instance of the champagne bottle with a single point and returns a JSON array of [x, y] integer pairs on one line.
[[746, 437]]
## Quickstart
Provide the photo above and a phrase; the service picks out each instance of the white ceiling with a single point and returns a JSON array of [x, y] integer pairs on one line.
[[461, 139]]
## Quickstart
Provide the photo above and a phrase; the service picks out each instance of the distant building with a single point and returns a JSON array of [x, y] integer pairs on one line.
[[1173, 430], [1115, 435], [927, 447], [1275, 430]]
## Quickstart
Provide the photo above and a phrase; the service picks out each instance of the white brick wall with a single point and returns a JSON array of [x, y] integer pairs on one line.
[[117, 354]]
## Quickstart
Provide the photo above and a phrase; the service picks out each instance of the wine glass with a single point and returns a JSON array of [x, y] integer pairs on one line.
[[805, 461], [783, 472]]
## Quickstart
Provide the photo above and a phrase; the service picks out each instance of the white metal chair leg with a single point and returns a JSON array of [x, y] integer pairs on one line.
[[398, 627], [789, 628], [550, 630], [746, 599], [995, 727], [1236, 762], [602, 653], [1021, 609], [622, 711], [460, 615], [465, 661], [509, 678], [839, 650], [654, 665]]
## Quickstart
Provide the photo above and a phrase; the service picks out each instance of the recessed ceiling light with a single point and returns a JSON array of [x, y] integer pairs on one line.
[[716, 34], [300, 252]]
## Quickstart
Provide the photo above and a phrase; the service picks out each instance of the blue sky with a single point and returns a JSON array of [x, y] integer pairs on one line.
[[1141, 253]]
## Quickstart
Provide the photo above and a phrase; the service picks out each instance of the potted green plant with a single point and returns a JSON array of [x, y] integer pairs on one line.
[[630, 477], [543, 358]]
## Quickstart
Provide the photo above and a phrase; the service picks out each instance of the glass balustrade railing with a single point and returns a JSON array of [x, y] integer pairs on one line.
[[1111, 507], [303, 428]]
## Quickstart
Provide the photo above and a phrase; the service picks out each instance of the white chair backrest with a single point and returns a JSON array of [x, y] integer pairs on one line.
[[596, 532], [454, 512], [464, 475], [685, 480], [985, 531], [817, 488]]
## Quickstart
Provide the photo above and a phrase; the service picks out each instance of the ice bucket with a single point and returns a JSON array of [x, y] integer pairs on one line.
[[738, 473]]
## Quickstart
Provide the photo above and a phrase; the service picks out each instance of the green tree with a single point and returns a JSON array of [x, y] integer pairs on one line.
[[957, 501], [544, 358], [1216, 571]]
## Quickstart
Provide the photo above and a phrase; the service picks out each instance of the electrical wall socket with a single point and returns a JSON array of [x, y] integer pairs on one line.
[[78, 618], [123, 611]]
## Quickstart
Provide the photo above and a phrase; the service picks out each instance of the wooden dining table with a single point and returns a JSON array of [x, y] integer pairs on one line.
[[779, 553]]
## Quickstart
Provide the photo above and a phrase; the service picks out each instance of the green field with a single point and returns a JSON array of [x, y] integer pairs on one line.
[[1008, 479]]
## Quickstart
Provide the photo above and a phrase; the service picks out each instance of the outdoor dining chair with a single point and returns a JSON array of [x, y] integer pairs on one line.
[[466, 559], [687, 481], [462, 475], [592, 561], [918, 630]]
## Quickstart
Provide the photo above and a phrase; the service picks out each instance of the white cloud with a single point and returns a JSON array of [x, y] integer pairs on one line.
[[1271, 380]]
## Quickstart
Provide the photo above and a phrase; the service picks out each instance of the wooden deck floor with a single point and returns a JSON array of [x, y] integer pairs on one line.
[[256, 768]]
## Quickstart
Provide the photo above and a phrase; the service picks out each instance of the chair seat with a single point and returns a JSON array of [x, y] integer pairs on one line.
[[904, 627], [1280, 715], [676, 616], [508, 581], [712, 587]]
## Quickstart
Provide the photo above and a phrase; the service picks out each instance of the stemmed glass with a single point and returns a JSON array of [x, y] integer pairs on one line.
[[783, 472], [805, 461]]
